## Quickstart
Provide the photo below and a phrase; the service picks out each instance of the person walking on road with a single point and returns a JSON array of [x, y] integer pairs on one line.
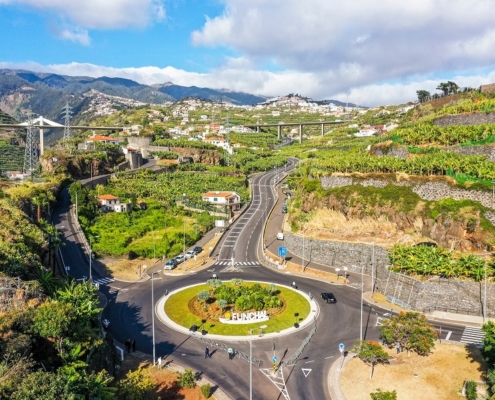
[[207, 352], [128, 345], [133, 344], [230, 350]]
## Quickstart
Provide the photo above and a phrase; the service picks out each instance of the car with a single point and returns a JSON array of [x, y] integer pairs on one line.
[[180, 258], [170, 264], [284, 209], [198, 249], [280, 236], [190, 254], [328, 297]]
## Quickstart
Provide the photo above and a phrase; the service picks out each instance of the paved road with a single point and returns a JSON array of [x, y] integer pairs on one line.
[[130, 309]]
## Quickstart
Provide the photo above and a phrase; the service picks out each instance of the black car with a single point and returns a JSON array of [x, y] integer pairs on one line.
[[198, 249], [329, 297]]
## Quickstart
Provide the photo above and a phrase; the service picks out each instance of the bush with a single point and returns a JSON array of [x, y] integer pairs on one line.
[[187, 379], [471, 390], [206, 391], [379, 395]]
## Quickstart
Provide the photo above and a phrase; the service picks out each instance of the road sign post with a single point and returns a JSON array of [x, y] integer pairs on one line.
[[341, 349], [282, 252]]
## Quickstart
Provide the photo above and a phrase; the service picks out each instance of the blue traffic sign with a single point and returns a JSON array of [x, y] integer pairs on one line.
[[341, 346], [282, 251], [274, 359]]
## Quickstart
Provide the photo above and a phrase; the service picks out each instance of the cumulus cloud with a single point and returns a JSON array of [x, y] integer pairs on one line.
[[357, 43], [237, 75], [71, 33], [100, 14]]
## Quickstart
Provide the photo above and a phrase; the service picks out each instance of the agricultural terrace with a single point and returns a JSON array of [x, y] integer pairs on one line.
[[217, 299]]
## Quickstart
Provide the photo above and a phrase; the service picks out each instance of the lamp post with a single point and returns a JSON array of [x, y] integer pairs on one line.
[[361, 319], [251, 359], [91, 257], [153, 313], [337, 271], [345, 274], [302, 265]]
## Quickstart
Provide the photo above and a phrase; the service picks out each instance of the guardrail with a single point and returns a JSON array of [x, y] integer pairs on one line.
[[400, 303]]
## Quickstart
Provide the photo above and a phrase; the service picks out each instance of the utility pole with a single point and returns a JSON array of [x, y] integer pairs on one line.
[[67, 112], [30, 153], [153, 312], [361, 319]]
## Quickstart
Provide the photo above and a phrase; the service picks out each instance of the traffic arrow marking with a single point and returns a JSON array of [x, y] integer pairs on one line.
[[306, 371]]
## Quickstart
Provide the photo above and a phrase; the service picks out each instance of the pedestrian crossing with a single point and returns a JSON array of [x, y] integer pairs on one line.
[[238, 263], [103, 281], [472, 335]]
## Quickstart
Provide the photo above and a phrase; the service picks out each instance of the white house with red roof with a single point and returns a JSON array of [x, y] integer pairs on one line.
[[91, 141], [222, 200], [110, 202]]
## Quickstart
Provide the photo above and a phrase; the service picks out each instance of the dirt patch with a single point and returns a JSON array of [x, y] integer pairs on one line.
[[165, 380], [128, 270], [439, 376]]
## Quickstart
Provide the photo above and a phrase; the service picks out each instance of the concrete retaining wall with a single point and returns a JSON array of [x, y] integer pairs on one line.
[[465, 119]]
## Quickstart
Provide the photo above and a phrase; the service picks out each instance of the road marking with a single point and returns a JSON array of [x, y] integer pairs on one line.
[[306, 371], [472, 335], [448, 335], [326, 358], [307, 362]]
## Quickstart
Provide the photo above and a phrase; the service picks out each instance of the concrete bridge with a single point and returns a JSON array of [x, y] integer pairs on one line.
[[299, 124]]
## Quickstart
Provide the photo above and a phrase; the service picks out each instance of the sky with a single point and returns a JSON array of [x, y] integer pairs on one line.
[[369, 52]]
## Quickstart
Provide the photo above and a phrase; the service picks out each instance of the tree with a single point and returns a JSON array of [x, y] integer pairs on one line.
[[453, 87], [187, 379], [488, 349], [379, 395], [135, 385], [204, 296], [222, 304], [206, 391], [411, 331], [422, 95], [43, 386], [370, 353], [444, 87]]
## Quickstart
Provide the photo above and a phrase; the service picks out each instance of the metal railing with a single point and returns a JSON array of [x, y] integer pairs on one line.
[[293, 359], [399, 302], [222, 346]]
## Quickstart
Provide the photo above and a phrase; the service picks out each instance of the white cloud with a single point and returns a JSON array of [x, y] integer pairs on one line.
[[74, 34], [100, 14], [357, 43], [237, 75]]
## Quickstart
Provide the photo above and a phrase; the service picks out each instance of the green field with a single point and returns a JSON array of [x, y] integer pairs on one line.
[[177, 310]]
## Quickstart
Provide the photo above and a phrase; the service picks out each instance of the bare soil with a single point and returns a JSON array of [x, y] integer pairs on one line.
[[439, 376]]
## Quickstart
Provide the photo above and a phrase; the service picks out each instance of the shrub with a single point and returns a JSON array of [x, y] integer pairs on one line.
[[471, 390], [379, 395], [187, 379], [206, 391]]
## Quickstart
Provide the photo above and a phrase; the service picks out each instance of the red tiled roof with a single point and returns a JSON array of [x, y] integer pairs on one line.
[[219, 194], [107, 197], [99, 138]]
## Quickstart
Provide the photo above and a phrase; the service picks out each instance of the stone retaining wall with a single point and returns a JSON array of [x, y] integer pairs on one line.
[[463, 296], [465, 119], [426, 190], [488, 151]]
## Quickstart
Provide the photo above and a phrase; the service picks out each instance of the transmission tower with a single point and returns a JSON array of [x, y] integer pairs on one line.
[[31, 153], [227, 136], [67, 112]]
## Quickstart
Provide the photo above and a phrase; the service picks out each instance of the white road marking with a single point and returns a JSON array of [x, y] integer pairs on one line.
[[448, 335]]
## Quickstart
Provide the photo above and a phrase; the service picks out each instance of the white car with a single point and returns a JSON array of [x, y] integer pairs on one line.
[[190, 254], [180, 258], [280, 236]]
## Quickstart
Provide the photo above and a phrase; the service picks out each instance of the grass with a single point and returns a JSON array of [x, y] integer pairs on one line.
[[178, 311]]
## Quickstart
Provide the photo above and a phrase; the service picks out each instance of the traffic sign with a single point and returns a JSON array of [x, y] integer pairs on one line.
[[341, 347], [274, 359], [282, 251]]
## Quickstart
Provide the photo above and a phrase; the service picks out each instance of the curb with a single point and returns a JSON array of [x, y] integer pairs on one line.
[[333, 380]]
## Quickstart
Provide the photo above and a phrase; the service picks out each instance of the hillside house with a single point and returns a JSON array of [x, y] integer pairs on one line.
[[110, 202], [91, 142], [230, 201]]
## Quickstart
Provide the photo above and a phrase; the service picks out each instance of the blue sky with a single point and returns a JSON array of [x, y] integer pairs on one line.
[[372, 52]]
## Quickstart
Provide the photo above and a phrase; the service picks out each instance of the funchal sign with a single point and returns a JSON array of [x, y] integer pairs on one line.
[[244, 318]]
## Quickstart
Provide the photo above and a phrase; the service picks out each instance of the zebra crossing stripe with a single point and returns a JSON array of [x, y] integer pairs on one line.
[[472, 335]]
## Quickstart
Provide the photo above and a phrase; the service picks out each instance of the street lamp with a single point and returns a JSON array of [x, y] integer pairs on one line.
[[361, 319], [345, 274], [337, 271], [251, 359], [153, 312], [90, 257]]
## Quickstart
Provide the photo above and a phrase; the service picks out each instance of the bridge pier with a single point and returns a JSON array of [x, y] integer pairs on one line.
[[280, 131], [300, 133], [257, 128], [322, 129]]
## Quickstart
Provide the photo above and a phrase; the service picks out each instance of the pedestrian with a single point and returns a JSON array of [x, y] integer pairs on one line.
[[207, 352], [398, 348], [159, 363], [128, 345], [133, 344], [230, 350]]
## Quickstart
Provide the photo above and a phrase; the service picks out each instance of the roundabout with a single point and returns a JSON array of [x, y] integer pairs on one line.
[[179, 310]]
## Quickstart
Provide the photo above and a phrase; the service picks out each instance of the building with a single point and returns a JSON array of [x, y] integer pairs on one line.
[[90, 142], [109, 202], [223, 200]]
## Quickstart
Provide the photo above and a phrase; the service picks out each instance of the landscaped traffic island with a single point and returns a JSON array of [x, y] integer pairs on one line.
[[234, 308]]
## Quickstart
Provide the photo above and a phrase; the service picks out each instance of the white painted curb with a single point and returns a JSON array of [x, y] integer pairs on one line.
[[163, 317]]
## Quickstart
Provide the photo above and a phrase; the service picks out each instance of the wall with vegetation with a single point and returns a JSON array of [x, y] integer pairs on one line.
[[488, 151], [465, 119], [444, 294], [426, 190]]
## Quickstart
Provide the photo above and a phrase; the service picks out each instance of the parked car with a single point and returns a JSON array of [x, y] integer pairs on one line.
[[280, 236], [190, 254], [170, 264], [284, 209], [180, 258], [328, 297], [198, 249]]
